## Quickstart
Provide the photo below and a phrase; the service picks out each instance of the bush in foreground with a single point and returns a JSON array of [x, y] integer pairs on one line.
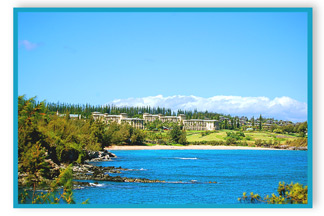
[[287, 194]]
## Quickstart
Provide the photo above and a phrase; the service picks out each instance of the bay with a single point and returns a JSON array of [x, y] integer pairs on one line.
[[188, 172]]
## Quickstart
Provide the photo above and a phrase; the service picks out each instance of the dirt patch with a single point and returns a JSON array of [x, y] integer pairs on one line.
[[283, 136]]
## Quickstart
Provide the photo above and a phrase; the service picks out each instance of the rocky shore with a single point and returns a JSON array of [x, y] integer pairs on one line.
[[99, 173], [83, 173], [87, 171]]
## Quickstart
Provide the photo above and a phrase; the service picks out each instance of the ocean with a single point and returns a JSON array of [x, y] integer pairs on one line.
[[188, 172]]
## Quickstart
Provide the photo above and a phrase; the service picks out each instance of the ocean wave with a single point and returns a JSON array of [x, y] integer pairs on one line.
[[78, 188], [136, 169], [96, 185], [177, 182], [181, 158], [183, 182]]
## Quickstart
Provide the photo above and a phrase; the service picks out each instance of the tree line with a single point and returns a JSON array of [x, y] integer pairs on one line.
[[66, 140], [86, 109], [226, 121]]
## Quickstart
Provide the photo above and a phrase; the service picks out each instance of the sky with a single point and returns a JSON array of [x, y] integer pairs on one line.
[[233, 63]]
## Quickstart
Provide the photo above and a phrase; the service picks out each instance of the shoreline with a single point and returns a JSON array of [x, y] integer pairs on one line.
[[189, 147]]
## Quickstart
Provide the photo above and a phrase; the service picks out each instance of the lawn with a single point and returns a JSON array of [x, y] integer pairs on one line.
[[194, 136]]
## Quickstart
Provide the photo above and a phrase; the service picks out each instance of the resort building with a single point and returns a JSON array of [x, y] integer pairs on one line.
[[150, 118], [72, 116], [198, 124], [123, 117], [192, 124]]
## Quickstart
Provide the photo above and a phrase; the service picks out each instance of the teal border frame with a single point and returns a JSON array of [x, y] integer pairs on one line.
[[309, 12]]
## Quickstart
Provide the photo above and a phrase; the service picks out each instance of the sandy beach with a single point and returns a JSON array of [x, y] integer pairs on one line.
[[201, 147]]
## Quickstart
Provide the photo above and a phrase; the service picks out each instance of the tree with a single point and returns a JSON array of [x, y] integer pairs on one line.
[[29, 114], [60, 191], [36, 166], [67, 115], [123, 135], [177, 135], [260, 123], [137, 137], [97, 133], [302, 129], [33, 163], [287, 194], [183, 138], [288, 128]]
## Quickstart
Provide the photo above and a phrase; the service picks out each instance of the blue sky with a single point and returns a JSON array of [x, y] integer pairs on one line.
[[101, 57]]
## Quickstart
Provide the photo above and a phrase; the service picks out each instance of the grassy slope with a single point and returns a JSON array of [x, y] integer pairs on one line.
[[193, 136]]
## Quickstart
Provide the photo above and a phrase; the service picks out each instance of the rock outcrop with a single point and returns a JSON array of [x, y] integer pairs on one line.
[[89, 172], [290, 147], [94, 156]]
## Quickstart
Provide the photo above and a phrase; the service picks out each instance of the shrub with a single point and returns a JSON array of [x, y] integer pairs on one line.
[[244, 143], [60, 191], [213, 143], [300, 142], [248, 138], [258, 142], [206, 133], [279, 131], [237, 135], [287, 194], [230, 141]]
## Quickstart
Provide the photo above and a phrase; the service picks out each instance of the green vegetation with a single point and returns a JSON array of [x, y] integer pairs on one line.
[[287, 194], [225, 121], [63, 139], [60, 191], [177, 135], [246, 138], [66, 140], [170, 136], [122, 134], [44, 139], [158, 125]]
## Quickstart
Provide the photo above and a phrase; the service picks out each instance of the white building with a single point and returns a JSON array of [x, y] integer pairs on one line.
[[150, 118], [199, 124], [192, 124], [123, 117]]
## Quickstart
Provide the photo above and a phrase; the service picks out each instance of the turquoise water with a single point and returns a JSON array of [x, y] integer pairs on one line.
[[235, 172]]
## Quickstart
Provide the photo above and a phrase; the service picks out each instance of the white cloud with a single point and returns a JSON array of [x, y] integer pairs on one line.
[[27, 44], [284, 108]]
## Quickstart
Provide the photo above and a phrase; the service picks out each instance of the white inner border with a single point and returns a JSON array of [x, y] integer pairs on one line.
[[6, 13]]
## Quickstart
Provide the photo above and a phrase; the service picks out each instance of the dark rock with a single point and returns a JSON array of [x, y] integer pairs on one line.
[[69, 155], [112, 155], [88, 172], [99, 156], [77, 183]]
